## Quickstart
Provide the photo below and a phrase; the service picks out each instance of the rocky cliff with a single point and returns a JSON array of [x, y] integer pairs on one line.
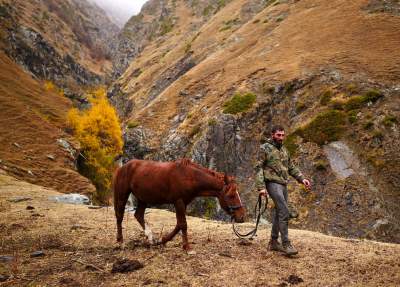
[[327, 70], [66, 42]]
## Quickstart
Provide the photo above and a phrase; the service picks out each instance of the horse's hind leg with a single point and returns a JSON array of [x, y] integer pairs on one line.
[[139, 215], [120, 200]]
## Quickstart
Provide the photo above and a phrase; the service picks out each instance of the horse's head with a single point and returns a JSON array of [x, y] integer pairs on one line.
[[229, 200]]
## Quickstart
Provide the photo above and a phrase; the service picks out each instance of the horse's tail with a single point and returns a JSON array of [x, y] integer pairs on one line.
[[120, 189]]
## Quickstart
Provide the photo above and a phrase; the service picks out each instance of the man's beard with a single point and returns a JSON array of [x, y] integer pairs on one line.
[[278, 143]]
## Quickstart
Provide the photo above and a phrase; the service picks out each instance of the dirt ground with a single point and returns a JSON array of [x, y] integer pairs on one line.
[[80, 249]]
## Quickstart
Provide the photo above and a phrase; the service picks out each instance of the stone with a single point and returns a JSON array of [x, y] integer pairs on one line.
[[77, 226], [72, 198], [5, 259], [342, 159], [19, 199], [38, 253], [294, 279], [4, 278], [50, 156], [126, 265], [94, 207]]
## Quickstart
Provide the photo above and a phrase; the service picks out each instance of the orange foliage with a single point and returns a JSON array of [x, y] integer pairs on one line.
[[99, 132]]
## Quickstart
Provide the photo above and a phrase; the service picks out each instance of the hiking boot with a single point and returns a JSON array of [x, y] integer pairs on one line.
[[275, 245], [288, 249]]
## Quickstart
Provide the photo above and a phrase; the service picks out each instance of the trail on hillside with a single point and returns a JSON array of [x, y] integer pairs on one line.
[[79, 250]]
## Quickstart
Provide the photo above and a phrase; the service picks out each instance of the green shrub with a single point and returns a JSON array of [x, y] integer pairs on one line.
[[321, 165], [352, 88], [352, 116], [210, 206], [221, 4], [300, 106], [229, 24], [368, 125], [355, 102], [188, 47], [377, 134], [326, 97], [337, 104], [389, 120], [195, 130], [290, 144], [132, 124], [212, 122], [372, 96], [325, 127], [166, 26], [239, 103], [207, 10], [280, 18]]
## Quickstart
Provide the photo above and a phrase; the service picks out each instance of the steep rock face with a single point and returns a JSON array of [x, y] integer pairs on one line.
[[322, 69], [67, 42]]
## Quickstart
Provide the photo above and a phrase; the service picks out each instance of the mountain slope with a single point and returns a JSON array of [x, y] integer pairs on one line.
[[33, 144], [327, 70], [67, 42]]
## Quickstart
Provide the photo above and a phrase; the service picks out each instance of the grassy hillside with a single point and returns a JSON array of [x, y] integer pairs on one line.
[[32, 125]]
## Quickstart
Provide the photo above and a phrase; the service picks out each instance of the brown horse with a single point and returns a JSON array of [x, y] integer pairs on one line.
[[175, 183]]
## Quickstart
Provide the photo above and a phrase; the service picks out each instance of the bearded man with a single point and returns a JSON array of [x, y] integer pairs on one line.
[[273, 172]]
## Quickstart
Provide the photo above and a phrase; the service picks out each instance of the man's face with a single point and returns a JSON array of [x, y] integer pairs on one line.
[[278, 136]]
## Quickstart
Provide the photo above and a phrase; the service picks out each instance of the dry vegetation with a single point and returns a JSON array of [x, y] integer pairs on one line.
[[269, 48], [32, 119], [80, 249]]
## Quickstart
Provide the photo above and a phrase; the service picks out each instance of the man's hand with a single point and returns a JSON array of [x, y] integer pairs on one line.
[[307, 184], [263, 192]]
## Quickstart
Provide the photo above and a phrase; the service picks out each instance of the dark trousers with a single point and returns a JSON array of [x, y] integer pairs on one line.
[[280, 217]]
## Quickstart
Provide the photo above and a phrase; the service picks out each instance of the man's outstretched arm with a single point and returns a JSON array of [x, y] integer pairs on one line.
[[296, 173]]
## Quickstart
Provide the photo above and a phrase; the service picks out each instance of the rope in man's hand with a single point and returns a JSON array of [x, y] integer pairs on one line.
[[257, 214]]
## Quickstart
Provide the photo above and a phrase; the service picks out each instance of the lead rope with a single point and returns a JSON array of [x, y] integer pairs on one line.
[[257, 215]]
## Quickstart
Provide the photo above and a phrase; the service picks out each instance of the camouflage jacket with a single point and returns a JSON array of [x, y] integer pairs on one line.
[[275, 165]]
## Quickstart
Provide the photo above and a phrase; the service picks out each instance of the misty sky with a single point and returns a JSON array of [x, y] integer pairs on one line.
[[121, 9]]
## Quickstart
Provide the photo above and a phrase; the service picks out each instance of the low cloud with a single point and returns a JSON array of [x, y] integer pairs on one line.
[[120, 10]]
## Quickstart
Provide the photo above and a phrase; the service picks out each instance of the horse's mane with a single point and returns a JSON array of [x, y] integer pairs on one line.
[[188, 162]]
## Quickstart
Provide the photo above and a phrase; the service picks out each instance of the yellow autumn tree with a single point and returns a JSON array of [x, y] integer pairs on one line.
[[99, 132]]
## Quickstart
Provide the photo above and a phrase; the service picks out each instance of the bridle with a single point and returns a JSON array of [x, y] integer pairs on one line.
[[231, 208]]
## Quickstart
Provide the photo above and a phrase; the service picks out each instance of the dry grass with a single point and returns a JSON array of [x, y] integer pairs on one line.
[[28, 137], [80, 249], [305, 42]]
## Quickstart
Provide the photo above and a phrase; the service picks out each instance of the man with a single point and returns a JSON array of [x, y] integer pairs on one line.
[[274, 169]]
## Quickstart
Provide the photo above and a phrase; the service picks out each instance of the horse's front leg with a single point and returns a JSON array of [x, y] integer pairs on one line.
[[180, 208]]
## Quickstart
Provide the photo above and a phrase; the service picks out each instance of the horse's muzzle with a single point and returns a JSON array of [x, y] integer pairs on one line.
[[239, 220]]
